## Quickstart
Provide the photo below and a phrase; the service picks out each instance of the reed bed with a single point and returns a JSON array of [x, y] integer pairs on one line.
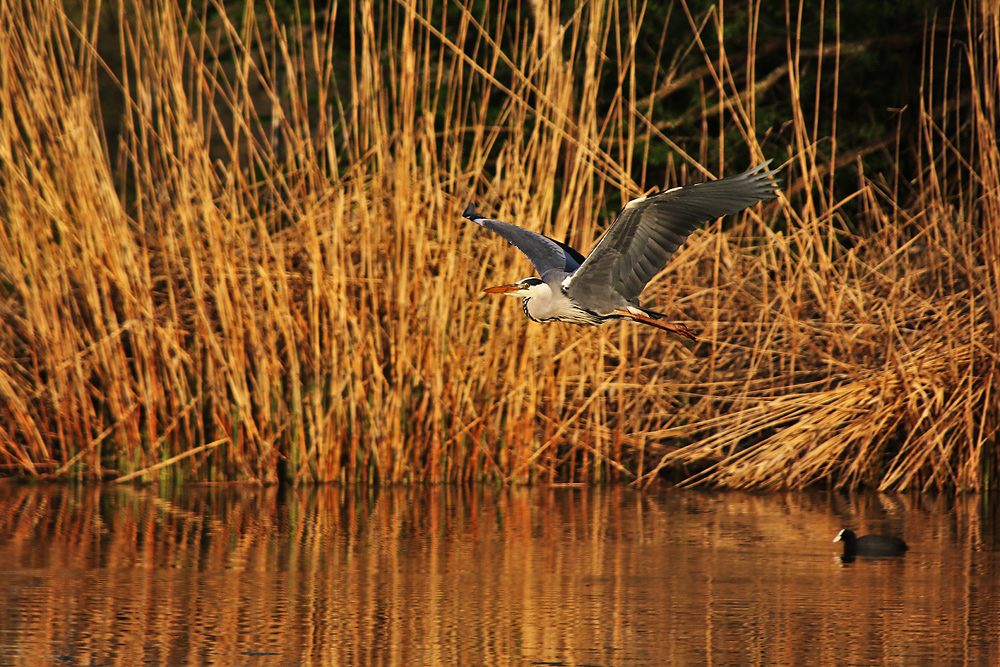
[[262, 274]]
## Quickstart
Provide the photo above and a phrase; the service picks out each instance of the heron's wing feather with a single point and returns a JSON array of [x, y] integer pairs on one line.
[[544, 253], [650, 229]]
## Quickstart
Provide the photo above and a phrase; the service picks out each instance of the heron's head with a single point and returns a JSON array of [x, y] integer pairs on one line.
[[526, 287]]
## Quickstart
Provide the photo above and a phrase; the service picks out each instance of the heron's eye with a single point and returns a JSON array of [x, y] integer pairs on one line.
[[530, 282]]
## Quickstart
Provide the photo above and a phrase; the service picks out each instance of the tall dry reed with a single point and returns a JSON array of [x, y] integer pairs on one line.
[[265, 277]]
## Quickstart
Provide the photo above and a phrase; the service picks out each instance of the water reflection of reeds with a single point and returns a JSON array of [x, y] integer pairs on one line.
[[443, 575]]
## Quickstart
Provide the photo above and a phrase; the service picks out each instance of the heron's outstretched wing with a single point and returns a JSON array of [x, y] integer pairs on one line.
[[650, 229], [544, 253]]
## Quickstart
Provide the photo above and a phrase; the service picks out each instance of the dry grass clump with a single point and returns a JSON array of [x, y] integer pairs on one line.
[[268, 278]]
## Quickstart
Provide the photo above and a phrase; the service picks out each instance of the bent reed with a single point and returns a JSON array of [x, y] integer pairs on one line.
[[262, 273]]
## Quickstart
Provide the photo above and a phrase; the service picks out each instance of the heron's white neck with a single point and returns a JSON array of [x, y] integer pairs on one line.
[[546, 305]]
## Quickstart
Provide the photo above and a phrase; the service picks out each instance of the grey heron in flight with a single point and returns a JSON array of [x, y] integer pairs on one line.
[[606, 284]]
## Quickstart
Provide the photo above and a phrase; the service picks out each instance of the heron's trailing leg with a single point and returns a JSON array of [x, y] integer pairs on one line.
[[673, 327]]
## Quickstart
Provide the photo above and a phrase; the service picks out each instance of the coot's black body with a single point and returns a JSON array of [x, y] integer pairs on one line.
[[870, 545]]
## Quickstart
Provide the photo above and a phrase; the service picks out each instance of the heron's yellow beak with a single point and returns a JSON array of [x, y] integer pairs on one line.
[[503, 289]]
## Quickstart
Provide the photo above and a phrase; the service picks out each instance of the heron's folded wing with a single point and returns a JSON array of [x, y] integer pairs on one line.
[[544, 253]]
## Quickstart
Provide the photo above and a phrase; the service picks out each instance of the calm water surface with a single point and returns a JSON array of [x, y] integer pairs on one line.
[[448, 576]]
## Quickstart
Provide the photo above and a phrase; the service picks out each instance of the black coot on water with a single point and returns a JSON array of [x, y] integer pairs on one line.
[[870, 545]]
